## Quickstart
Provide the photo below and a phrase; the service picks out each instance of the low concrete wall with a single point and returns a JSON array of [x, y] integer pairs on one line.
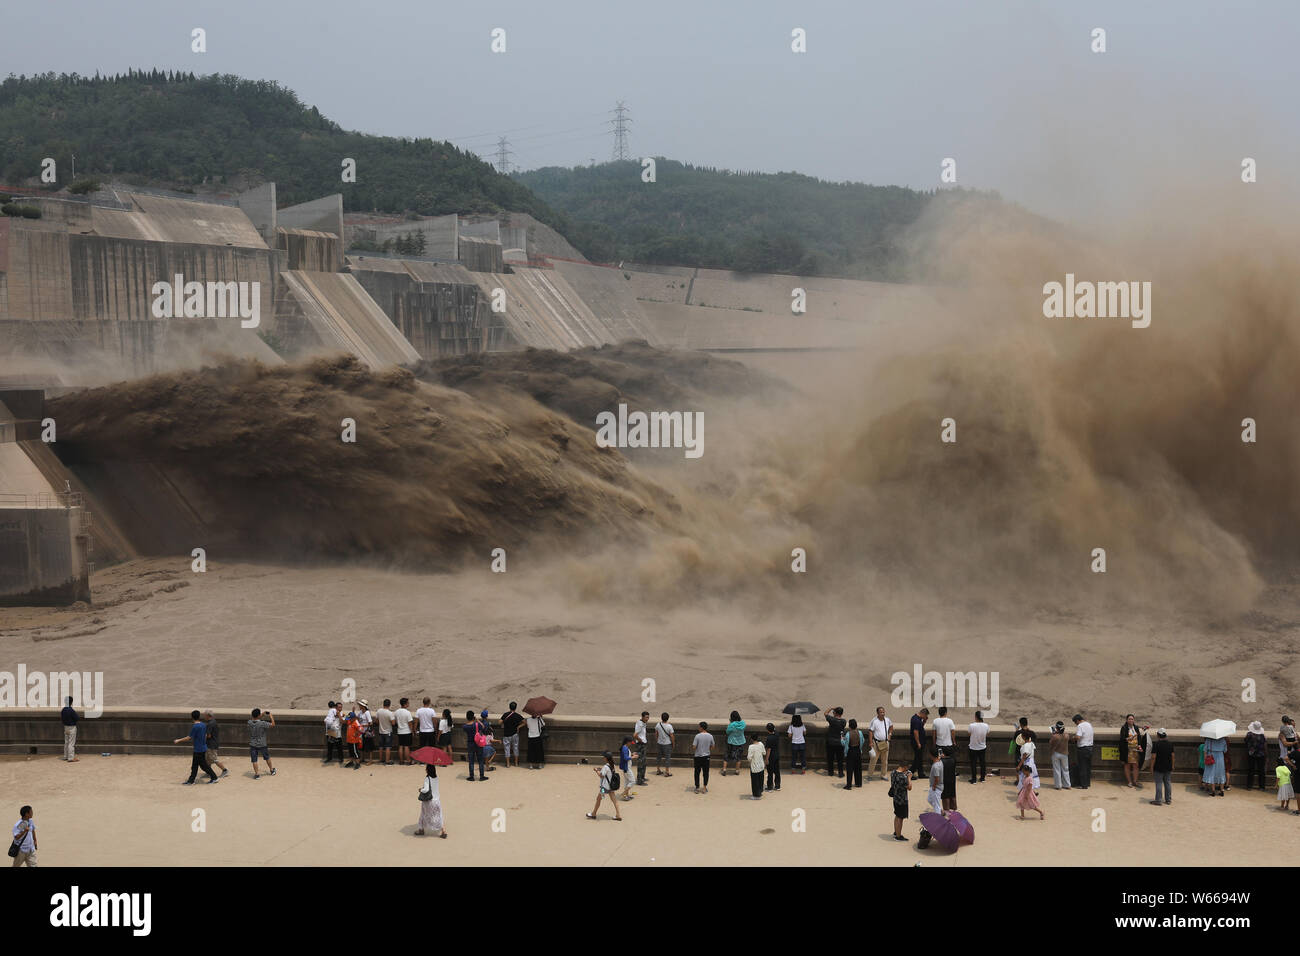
[[150, 730]]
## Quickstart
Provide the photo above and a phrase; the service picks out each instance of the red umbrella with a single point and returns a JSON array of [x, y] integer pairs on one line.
[[539, 706], [963, 827], [439, 758], [944, 833]]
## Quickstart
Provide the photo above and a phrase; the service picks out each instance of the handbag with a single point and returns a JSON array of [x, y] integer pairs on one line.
[[15, 844], [426, 795], [1209, 760]]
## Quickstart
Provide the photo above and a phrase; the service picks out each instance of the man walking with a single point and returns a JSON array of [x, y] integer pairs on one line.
[[198, 736], [978, 746], [214, 743], [1083, 750], [1164, 766], [835, 727], [257, 728], [639, 731], [918, 740], [25, 838], [880, 728], [69, 717]]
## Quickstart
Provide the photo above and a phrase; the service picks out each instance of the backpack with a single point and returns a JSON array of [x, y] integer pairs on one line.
[[615, 781]]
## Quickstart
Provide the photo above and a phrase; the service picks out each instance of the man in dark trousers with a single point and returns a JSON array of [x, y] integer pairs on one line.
[[918, 741], [835, 726], [198, 735], [1164, 766]]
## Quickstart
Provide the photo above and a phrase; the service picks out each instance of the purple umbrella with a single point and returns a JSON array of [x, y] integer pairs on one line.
[[944, 833], [962, 826]]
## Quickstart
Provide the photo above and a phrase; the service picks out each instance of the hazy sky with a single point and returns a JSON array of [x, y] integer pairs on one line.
[[1011, 90]]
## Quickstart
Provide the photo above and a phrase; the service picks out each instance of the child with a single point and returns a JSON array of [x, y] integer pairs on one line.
[[900, 783], [1028, 797], [935, 796], [1284, 789]]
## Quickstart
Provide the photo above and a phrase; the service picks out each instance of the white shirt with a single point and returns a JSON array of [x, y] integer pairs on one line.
[[534, 726], [663, 733], [756, 752], [1083, 733], [943, 728], [605, 773], [880, 728], [29, 843], [426, 716], [385, 720], [430, 786], [403, 718], [365, 719], [796, 733], [332, 722], [979, 736], [639, 731], [1027, 751], [444, 725]]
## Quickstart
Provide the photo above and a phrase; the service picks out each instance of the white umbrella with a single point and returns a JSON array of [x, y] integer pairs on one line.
[[1218, 729]]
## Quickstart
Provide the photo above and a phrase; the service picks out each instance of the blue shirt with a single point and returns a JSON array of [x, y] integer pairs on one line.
[[736, 733], [918, 725], [470, 731], [624, 759], [199, 734]]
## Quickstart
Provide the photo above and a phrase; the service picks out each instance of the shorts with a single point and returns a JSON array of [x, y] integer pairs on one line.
[[665, 751], [512, 746], [368, 743], [735, 751], [428, 738], [488, 751], [900, 811], [212, 756], [385, 741], [403, 740], [254, 751]]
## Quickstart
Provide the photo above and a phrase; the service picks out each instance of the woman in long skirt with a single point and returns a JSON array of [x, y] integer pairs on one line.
[[1215, 774], [431, 806], [536, 755]]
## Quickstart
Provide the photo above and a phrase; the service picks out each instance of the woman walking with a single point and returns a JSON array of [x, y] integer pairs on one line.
[[430, 804], [798, 745], [607, 788], [1027, 766], [1215, 775]]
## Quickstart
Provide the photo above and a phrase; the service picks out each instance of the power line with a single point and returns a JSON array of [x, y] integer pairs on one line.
[[620, 123]]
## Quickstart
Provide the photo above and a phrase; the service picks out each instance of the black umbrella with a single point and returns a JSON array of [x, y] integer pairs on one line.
[[800, 707]]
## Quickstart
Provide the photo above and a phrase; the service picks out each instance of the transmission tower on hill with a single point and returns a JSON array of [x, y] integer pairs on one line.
[[503, 157], [620, 123]]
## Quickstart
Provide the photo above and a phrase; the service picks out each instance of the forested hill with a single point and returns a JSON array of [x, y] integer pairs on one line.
[[181, 131], [752, 222]]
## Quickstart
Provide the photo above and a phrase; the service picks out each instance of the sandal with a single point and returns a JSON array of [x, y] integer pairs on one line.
[[590, 817]]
